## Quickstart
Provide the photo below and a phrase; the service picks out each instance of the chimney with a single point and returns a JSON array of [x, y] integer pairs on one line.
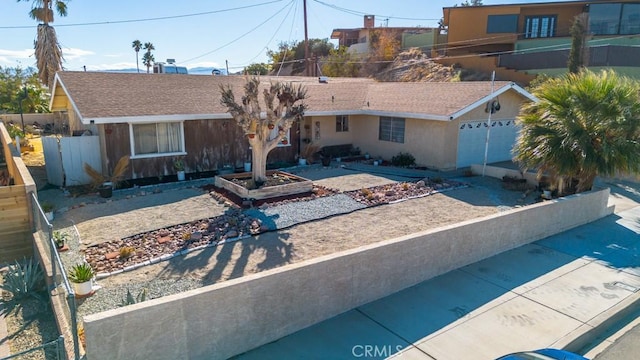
[[369, 21]]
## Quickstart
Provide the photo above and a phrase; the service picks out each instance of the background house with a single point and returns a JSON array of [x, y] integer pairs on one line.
[[358, 40], [155, 119], [522, 40]]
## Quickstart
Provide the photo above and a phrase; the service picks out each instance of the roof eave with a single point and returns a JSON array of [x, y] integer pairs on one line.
[[153, 118], [484, 99]]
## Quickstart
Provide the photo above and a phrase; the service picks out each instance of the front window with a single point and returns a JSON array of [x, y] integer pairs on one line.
[[540, 26], [148, 140], [391, 129], [342, 123]]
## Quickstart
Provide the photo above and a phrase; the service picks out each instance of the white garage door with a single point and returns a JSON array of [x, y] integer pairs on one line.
[[472, 137]]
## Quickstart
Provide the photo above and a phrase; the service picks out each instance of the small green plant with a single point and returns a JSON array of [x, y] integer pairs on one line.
[[23, 279], [80, 273], [365, 192], [130, 300], [14, 131], [47, 206], [178, 164], [59, 238], [186, 236], [403, 160], [405, 186], [127, 252]]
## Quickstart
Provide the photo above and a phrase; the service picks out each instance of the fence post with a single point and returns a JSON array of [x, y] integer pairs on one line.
[[71, 300], [52, 253], [60, 348]]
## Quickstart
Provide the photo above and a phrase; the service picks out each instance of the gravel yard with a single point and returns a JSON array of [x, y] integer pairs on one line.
[[99, 221]]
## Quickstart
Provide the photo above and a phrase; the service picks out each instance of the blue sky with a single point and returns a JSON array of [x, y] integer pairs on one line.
[[197, 32]]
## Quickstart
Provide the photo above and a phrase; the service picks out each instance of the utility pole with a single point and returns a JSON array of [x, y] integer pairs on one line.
[[227, 65], [306, 41]]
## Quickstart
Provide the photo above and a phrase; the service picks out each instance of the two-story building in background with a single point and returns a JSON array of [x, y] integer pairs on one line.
[[519, 41], [358, 40]]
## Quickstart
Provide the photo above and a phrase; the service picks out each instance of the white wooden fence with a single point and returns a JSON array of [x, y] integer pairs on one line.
[[65, 157]]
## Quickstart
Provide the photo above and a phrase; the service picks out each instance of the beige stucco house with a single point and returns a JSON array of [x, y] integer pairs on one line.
[[443, 125]]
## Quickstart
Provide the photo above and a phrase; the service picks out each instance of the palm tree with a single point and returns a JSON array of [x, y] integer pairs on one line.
[[583, 125], [137, 45], [47, 49], [147, 58]]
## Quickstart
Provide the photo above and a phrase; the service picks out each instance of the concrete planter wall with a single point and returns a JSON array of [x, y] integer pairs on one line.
[[225, 319]]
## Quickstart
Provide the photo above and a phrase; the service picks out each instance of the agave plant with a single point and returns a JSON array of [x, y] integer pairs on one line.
[[80, 273], [23, 279], [130, 300]]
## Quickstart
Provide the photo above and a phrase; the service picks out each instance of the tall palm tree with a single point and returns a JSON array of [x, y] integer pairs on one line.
[[137, 45], [47, 49], [147, 58], [583, 125]]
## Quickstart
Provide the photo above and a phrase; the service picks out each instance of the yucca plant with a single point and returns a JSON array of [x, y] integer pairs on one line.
[[116, 177], [23, 279], [130, 300], [80, 273]]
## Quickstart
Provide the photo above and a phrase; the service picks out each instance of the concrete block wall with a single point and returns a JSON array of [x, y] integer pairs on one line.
[[225, 319], [500, 172]]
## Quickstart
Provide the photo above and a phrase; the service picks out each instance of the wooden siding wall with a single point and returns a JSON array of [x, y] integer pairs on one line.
[[15, 223], [210, 144]]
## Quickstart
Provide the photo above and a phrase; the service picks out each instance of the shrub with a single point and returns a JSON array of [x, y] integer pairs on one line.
[[403, 160], [127, 252], [23, 279]]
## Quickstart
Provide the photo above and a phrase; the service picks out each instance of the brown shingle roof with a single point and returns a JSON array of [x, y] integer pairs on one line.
[[100, 95]]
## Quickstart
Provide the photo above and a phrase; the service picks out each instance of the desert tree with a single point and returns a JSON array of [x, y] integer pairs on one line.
[[583, 125], [47, 49], [284, 105], [137, 45]]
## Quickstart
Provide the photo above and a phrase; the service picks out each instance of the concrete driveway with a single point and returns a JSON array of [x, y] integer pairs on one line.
[[539, 295]]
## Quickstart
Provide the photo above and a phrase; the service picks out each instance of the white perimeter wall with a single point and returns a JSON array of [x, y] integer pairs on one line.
[[225, 319]]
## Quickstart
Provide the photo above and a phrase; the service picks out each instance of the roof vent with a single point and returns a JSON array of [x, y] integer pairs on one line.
[[323, 79]]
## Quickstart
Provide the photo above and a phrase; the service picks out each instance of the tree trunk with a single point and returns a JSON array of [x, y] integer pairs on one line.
[[258, 163]]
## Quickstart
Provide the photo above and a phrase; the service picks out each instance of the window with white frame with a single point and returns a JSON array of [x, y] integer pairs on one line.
[[391, 129], [540, 26], [156, 139], [342, 123]]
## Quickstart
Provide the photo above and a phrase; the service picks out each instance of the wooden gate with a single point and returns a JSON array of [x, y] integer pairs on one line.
[[65, 157]]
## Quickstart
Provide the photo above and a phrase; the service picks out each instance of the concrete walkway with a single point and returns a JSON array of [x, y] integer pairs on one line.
[[543, 294]]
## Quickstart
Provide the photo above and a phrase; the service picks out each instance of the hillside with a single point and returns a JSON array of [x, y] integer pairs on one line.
[[413, 65]]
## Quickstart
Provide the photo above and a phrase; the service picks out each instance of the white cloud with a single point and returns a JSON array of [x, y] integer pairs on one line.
[[75, 54], [18, 54]]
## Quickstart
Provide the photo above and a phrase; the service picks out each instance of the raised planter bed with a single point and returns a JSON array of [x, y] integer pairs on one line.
[[297, 186]]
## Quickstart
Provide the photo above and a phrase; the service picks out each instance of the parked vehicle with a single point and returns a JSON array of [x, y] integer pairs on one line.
[[543, 354]]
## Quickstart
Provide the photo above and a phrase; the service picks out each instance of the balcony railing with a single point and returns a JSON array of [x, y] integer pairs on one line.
[[601, 56]]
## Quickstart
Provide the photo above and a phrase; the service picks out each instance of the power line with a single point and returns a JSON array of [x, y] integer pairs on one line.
[[148, 19], [241, 36], [278, 29], [360, 13]]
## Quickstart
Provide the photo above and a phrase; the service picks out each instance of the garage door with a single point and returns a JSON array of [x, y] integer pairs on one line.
[[472, 137]]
